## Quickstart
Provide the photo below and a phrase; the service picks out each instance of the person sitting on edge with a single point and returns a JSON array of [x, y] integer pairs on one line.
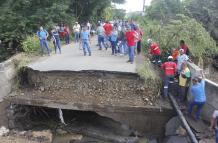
[[170, 70], [198, 92], [155, 52], [85, 40], [214, 124]]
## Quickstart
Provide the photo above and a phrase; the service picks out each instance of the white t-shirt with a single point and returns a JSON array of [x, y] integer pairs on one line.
[[215, 114], [180, 60], [76, 28]]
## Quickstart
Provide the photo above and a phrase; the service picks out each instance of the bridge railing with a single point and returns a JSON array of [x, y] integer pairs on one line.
[[211, 89]]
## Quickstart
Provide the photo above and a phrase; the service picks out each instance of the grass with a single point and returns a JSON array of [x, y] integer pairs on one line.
[[146, 71]]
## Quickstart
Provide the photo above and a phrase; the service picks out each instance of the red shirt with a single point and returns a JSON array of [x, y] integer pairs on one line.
[[130, 38], [108, 29], [169, 68], [67, 29], [185, 48], [154, 49]]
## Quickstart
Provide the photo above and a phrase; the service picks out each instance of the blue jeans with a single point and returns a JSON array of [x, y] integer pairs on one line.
[[101, 41], [76, 36], [86, 47], [199, 108], [114, 45], [167, 80], [44, 43], [123, 47], [216, 135], [131, 53], [67, 38], [57, 45]]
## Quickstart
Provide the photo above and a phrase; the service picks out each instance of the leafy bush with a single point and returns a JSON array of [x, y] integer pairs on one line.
[[182, 28], [31, 44]]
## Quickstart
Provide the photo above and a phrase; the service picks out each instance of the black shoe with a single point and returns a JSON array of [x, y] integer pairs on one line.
[[128, 61]]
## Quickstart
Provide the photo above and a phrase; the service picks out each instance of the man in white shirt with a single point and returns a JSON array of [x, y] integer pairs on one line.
[[214, 124], [76, 30]]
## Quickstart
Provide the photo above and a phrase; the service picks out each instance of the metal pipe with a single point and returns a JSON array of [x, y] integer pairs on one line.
[[182, 118]]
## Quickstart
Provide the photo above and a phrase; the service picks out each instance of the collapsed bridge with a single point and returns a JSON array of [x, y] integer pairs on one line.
[[103, 84]]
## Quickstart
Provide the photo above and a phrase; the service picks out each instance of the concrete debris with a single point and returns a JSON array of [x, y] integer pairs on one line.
[[207, 141], [41, 88], [181, 131], [177, 139], [172, 126], [152, 141], [3, 131], [61, 132], [46, 134]]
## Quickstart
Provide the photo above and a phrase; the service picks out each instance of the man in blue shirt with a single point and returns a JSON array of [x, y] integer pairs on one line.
[[43, 35], [198, 92], [85, 40]]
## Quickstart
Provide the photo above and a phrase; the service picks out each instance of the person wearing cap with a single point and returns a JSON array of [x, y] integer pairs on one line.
[[182, 58], [155, 52], [214, 124], [169, 68], [199, 96], [76, 30], [43, 36], [184, 80], [131, 38]]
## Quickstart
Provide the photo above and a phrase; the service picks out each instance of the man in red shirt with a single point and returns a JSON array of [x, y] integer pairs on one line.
[[131, 37], [184, 47], [155, 52], [169, 70], [108, 28]]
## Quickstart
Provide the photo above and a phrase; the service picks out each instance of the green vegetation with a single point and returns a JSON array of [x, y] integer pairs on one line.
[[31, 44], [167, 22], [21, 18]]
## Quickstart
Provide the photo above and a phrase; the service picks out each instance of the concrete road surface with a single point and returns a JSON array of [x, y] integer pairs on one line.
[[72, 59]]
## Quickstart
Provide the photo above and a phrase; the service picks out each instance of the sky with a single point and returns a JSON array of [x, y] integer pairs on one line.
[[133, 5]]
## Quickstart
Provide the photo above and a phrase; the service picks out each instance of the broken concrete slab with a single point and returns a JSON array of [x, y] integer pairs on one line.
[[172, 126]]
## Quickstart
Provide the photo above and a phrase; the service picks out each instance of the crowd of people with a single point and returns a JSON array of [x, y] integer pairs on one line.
[[124, 38], [176, 70]]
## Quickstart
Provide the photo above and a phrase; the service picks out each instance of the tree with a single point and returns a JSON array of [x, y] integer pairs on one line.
[[20, 18]]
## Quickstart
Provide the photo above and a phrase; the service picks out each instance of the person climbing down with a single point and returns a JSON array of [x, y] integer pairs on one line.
[[169, 68], [43, 35], [214, 124], [85, 40], [155, 52], [184, 80], [56, 40], [198, 93]]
